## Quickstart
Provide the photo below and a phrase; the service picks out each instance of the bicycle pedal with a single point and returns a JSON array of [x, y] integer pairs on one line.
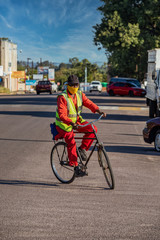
[[82, 174], [79, 172]]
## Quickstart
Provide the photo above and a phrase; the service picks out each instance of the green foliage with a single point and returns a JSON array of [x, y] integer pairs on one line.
[[127, 30], [78, 68], [20, 67], [5, 39], [62, 72], [4, 90]]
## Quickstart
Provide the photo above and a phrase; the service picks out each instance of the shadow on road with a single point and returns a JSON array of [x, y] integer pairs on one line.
[[132, 150], [130, 134], [21, 182], [46, 99], [24, 140], [90, 116], [44, 114], [46, 184], [116, 148], [125, 117], [30, 100], [118, 100]]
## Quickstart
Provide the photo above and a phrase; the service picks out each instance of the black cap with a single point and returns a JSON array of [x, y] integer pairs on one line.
[[73, 79]]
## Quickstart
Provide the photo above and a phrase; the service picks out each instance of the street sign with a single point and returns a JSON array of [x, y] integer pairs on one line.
[[18, 74], [51, 74]]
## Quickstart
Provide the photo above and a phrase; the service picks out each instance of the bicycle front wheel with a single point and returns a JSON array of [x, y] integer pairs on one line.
[[106, 167], [60, 163]]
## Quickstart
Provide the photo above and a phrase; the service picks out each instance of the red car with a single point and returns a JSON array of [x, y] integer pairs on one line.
[[122, 88], [44, 86]]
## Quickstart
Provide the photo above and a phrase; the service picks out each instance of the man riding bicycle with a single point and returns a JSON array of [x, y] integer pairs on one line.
[[68, 117]]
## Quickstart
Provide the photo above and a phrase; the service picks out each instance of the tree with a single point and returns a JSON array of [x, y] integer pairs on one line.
[[62, 65], [74, 61], [63, 70], [21, 65], [127, 30]]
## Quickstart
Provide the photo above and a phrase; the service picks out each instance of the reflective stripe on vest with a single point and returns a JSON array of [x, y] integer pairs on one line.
[[72, 113]]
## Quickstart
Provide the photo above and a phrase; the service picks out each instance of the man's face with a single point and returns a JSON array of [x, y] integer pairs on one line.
[[73, 88]]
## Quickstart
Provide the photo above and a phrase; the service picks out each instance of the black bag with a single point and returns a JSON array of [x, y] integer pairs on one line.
[[54, 131]]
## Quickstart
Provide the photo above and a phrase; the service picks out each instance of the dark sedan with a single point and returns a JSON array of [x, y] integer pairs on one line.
[[122, 88], [151, 132]]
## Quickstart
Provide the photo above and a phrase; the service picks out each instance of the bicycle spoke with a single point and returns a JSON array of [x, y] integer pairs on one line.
[[60, 163]]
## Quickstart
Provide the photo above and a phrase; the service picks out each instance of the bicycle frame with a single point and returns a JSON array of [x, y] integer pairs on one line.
[[97, 143], [66, 173]]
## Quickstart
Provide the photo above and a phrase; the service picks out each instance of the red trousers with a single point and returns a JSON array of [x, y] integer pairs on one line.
[[71, 143]]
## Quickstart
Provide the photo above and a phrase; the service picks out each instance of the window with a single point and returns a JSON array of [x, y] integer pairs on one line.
[[95, 83], [128, 80], [119, 84]]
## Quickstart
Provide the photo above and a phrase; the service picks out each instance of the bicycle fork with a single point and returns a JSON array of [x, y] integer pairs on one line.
[[99, 150]]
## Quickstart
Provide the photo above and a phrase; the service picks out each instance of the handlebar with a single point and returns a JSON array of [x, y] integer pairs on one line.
[[91, 122]]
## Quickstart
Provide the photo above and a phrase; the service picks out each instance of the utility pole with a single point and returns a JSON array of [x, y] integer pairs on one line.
[[9, 67], [28, 66], [85, 79]]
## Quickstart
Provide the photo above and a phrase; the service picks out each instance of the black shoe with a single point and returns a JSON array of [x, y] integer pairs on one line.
[[79, 172], [83, 154]]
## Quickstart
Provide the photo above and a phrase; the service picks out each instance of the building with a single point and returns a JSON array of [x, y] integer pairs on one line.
[[8, 59]]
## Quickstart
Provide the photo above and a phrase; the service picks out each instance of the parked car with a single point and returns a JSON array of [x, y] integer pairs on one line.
[[151, 132], [123, 88], [95, 86], [54, 87], [84, 87], [123, 79], [44, 86]]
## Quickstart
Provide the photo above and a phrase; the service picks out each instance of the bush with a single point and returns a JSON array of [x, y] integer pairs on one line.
[[4, 90]]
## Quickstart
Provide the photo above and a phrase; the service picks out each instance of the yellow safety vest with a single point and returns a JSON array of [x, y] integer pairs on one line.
[[72, 112]]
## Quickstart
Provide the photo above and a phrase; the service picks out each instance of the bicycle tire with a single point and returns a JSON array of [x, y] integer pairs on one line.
[[60, 163], [106, 167]]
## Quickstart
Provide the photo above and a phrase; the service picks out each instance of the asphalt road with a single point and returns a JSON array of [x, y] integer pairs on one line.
[[35, 206]]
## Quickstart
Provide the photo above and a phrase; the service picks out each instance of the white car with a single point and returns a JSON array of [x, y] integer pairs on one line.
[[54, 87], [95, 86]]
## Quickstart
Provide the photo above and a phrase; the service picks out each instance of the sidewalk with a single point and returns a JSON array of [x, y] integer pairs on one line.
[[16, 93]]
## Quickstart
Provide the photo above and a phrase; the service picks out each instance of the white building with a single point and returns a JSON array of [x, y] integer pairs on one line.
[[8, 59]]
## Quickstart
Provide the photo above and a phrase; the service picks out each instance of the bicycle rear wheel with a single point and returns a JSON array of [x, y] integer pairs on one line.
[[106, 167], [60, 163]]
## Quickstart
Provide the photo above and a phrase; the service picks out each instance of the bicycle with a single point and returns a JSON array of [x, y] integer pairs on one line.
[[60, 162]]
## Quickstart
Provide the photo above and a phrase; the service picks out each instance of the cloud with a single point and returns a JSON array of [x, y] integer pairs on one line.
[[59, 12], [53, 30], [47, 12], [78, 43], [6, 23]]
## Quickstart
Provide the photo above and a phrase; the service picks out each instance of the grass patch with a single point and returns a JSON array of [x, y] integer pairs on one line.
[[4, 90]]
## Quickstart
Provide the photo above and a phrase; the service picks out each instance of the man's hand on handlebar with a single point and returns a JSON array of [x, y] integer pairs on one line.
[[74, 125], [101, 113]]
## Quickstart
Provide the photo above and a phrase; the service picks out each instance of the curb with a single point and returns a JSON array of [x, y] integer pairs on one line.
[[124, 108]]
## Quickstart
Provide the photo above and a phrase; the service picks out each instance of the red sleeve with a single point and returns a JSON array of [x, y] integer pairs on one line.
[[62, 109], [89, 104]]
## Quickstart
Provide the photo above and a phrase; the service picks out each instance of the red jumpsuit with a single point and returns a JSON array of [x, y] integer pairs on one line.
[[69, 136]]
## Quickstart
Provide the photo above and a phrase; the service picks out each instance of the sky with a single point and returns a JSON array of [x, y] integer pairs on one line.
[[53, 30]]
